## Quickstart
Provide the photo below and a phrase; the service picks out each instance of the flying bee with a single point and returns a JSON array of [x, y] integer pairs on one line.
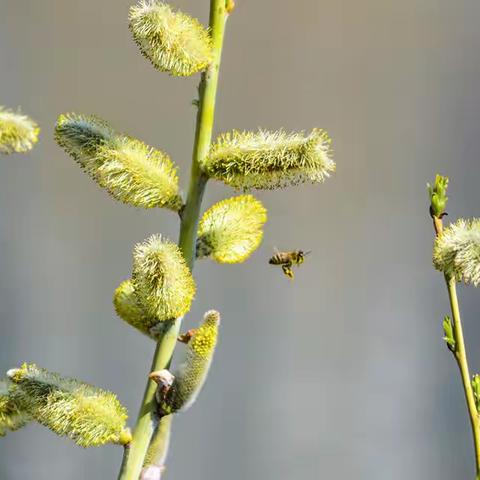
[[287, 260]]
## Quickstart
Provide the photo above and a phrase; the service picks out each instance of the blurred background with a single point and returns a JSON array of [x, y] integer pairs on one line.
[[340, 374]]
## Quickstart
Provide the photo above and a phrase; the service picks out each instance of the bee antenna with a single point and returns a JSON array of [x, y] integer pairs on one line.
[[308, 252]]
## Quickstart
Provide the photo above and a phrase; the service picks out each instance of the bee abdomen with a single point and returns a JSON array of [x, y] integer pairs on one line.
[[276, 260]]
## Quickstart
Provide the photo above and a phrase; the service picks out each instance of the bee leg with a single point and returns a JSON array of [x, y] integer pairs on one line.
[[187, 336], [287, 270]]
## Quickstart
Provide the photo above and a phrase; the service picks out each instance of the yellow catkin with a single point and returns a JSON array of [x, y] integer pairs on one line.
[[192, 373], [18, 133], [457, 251], [172, 41], [128, 169], [128, 308], [163, 283], [269, 160], [86, 414], [12, 417], [231, 230]]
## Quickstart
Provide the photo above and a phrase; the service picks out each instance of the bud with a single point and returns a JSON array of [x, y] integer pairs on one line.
[[12, 417], [449, 333], [18, 133], [269, 160], [129, 170], [163, 283], [476, 390], [438, 196], [86, 414], [231, 230], [172, 41], [456, 251], [192, 373]]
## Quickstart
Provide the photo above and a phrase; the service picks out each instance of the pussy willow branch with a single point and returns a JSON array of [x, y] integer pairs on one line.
[[460, 355], [135, 453]]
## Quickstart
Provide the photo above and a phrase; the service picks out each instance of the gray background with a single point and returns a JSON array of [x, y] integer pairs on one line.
[[340, 374]]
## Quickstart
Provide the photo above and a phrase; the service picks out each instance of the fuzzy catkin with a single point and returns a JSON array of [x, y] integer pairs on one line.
[[269, 160], [173, 42], [12, 417], [138, 175], [18, 133], [128, 309], [231, 230], [192, 373], [130, 171], [457, 251], [163, 283], [81, 136], [88, 415]]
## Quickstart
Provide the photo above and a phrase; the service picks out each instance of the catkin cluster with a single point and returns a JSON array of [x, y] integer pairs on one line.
[[161, 287]]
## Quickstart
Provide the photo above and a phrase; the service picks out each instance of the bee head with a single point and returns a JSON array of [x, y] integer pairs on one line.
[[301, 255]]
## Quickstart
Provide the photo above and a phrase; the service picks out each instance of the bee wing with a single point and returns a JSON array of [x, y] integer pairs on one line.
[[272, 260]]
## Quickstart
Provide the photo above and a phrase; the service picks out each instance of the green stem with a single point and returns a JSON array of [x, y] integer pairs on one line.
[[147, 423], [158, 449], [219, 10], [203, 134], [461, 357]]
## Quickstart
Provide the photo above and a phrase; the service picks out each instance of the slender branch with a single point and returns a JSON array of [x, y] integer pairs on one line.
[[191, 214], [147, 421], [203, 134], [460, 355]]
